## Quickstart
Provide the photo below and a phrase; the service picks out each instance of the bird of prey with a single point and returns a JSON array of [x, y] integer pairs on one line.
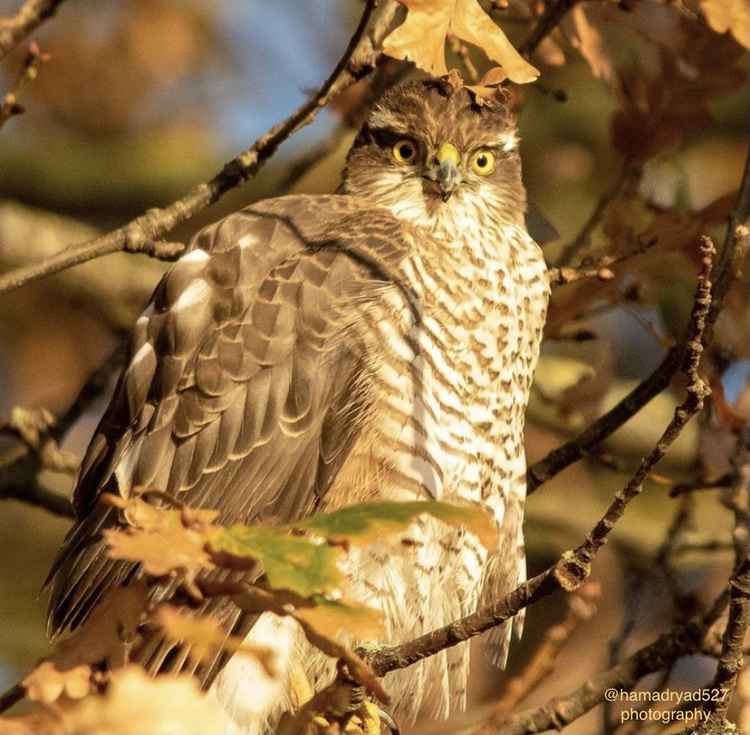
[[311, 352]]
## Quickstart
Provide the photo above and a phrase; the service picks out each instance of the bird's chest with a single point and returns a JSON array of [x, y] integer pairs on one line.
[[453, 388]]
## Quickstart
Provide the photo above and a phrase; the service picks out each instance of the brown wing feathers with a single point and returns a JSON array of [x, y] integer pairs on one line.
[[235, 366]]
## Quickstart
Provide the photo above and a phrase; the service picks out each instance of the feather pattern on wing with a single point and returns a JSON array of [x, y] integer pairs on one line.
[[241, 392]]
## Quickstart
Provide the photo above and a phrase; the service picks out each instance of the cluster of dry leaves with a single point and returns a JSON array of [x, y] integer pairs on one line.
[[86, 682]]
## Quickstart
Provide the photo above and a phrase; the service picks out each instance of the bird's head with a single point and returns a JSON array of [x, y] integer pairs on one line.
[[436, 157]]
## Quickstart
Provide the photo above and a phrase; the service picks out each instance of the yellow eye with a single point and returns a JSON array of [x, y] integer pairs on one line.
[[483, 163], [405, 151]]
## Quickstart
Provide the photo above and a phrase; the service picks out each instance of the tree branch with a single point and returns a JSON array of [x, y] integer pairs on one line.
[[9, 106], [570, 452], [554, 12], [727, 270], [583, 238], [28, 18], [684, 640], [731, 661], [18, 472], [144, 232]]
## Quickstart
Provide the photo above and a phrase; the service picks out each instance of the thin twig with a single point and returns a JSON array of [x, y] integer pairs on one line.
[[581, 607], [9, 106], [728, 269], [554, 12], [575, 449], [564, 276], [28, 18], [18, 473], [142, 233], [683, 640], [583, 238], [12, 696], [731, 661], [691, 487], [601, 268], [697, 391]]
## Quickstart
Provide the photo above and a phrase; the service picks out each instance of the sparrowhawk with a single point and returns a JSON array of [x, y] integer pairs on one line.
[[310, 352]]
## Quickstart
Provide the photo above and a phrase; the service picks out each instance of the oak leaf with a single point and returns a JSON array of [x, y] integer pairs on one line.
[[47, 684], [360, 525], [161, 552], [729, 15], [331, 617], [162, 540], [422, 37], [293, 563], [585, 36]]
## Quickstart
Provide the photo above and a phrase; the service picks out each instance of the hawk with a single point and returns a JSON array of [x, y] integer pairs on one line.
[[311, 352]]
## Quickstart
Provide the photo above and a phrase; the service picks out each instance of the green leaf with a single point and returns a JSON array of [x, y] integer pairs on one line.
[[364, 524], [292, 563]]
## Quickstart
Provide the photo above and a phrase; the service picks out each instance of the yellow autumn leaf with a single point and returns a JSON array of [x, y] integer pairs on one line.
[[135, 703], [729, 15], [331, 617], [46, 683], [421, 37]]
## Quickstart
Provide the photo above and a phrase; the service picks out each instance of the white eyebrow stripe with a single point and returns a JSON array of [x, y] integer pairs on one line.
[[509, 141]]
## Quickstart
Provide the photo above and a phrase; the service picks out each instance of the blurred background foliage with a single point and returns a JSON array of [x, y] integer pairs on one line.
[[143, 98]]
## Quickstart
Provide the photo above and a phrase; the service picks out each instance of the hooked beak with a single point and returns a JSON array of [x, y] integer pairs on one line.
[[446, 172]]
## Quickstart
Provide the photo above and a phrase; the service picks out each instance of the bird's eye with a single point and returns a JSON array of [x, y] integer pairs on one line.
[[483, 163], [404, 151]]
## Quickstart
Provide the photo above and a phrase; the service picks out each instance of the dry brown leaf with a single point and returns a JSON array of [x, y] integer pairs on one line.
[[47, 684], [488, 84], [585, 36], [422, 37], [205, 636], [729, 15], [106, 633], [150, 517], [550, 52]]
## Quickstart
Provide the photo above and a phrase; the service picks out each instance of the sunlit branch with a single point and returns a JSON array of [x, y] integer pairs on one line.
[[29, 17], [143, 234]]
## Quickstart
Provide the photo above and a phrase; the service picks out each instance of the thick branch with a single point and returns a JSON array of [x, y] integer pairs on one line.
[[28, 18], [29, 491], [143, 233]]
